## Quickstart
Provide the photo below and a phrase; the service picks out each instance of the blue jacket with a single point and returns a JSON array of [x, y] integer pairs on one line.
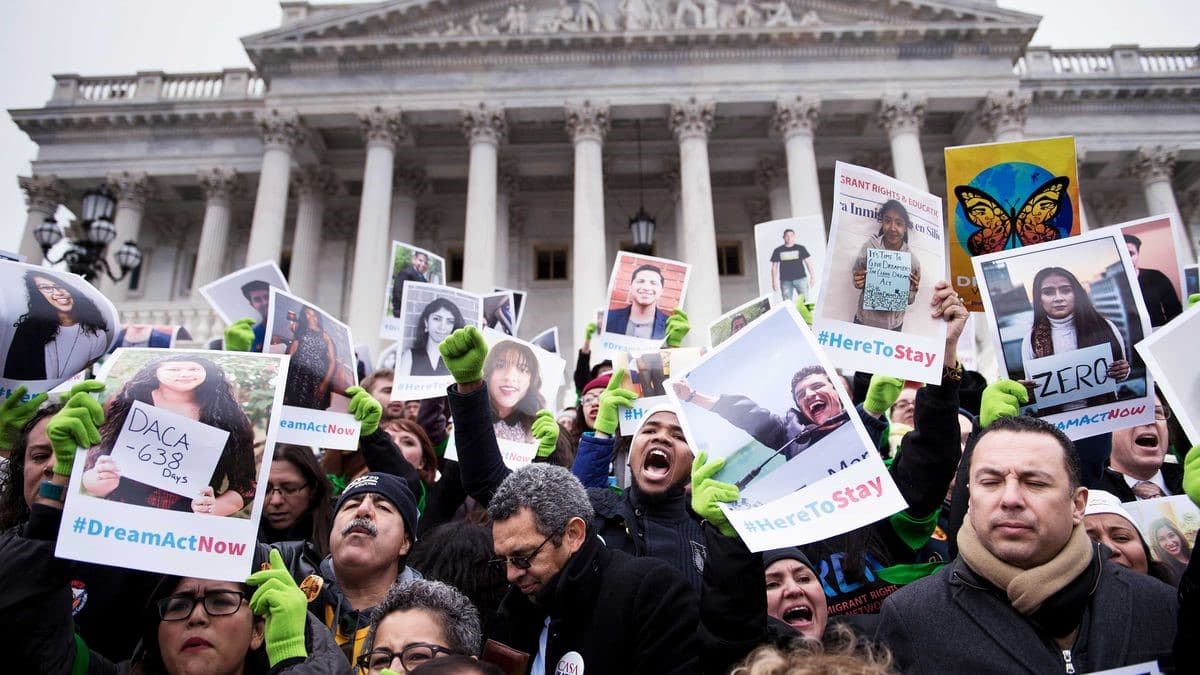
[[617, 321]]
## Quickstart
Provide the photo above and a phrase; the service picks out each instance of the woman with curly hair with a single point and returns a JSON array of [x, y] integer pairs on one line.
[[313, 364], [196, 388], [439, 319], [894, 225], [61, 333]]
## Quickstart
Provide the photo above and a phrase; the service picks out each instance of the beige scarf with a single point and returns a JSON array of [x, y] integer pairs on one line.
[[1027, 589]]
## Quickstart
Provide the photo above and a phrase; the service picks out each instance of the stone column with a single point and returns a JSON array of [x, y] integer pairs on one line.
[[314, 185], [692, 121], [132, 190], [220, 187], [506, 188], [485, 128], [795, 121], [1003, 115], [587, 125], [280, 133], [671, 178], [901, 116], [773, 181], [384, 130], [1154, 167], [43, 194], [408, 184]]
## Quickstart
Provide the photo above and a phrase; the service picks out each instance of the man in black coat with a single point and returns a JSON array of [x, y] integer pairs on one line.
[[414, 271], [1162, 300], [1135, 468]]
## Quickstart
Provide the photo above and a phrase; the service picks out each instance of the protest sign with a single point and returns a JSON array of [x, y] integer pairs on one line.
[[518, 306], [498, 312], [643, 291], [881, 323], [52, 326], [245, 294], [646, 374], [736, 319], [321, 369], [1168, 525], [1170, 354], [547, 339], [1156, 248], [1074, 376], [1004, 196], [789, 253], [116, 514], [770, 403], [431, 313], [1061, 296], [409, 263]]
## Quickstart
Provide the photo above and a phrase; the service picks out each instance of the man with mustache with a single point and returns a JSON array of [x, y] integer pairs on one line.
[[1029, 591]]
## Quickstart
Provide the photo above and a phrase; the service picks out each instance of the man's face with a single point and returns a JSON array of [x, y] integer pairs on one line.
[[259, 301], [789, 238], [646, 288], [1133, 254], [795, 597], [518, 536], [381, 390], [368, 534], [659, 455], [420, 262], [816, 398], [1022, 505], [1139, 451]]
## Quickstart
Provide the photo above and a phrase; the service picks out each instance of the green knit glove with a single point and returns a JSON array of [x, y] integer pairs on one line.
[[464, 351], [1191, 474], [75, 426], [882, 393], [239, 335], [14, 415], [545, 432], [589, 331], [708, 493], [1002, 398], [805, 309], [611, 398], [285, 607], [87, 387], [677, 328], [1193, 299], [365, 409]]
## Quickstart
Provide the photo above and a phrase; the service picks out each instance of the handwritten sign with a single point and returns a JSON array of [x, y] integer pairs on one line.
[[168, 451], [887, 280], [1074, 376]]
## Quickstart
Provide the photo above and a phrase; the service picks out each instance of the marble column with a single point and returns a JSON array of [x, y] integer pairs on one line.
[[587, 124], [671, 178], [1154, 167], [795, 121], [314, 185], [692, 122], [1003, 115], [43, 194], [408, 184], [505, 190], [770, 177], [220, 187], [280, 134], [384, 130], [485, 128], [901, 116], [132, 189]]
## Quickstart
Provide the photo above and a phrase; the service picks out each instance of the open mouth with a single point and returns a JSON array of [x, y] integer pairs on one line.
[[508, 391], [817, 406], [657, 464], [798, 615], [1146, 439]]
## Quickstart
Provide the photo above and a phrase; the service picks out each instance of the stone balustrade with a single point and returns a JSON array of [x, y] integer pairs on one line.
[[199, 319], [154, 86], [1116, 61]]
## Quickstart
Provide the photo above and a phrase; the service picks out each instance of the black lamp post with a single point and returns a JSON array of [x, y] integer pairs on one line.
[[87, 253], [641, 225]]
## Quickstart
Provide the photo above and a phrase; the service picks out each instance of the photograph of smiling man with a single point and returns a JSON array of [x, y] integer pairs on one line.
[[643, 291], [431, 313], [246, 294]]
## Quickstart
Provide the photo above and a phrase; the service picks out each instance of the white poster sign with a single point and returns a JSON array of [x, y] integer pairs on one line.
[[1073, 376], [167, 451], [1170, 354], [431, 313], [789, 254]]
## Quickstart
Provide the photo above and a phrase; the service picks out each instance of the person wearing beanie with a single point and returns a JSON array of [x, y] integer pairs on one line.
[[1108, 523]]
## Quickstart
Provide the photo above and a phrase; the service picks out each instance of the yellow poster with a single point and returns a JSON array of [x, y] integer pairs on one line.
[[1007, 195]]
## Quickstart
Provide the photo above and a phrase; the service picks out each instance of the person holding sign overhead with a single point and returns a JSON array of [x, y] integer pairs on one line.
[[198, 389], [894, 225]]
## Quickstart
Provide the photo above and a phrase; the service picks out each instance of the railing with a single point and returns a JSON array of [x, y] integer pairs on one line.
[[233, 83], [201, 322], [1117, 61]]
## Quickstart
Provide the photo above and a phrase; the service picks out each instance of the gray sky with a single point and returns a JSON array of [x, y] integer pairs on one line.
[[119, 37]]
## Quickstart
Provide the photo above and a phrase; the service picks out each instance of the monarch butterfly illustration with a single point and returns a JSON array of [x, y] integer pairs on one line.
[[997, 225]]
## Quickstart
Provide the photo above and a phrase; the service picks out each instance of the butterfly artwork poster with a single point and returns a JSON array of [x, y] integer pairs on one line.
[[1002, 196]]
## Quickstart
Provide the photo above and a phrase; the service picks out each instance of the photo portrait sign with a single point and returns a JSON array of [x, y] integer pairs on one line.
[[643, 291], [117, 514], [547, 339], [646, 374], [1055, 300], [1170, 354], [518, 305], [431, 313], [53, 325], [799, 454], [886, 252], [1156, 247], [498, 313], [1002, 196], [789, 253], [322, 367], [736, 319], [409, 263], [245, 294], [1169, 526]]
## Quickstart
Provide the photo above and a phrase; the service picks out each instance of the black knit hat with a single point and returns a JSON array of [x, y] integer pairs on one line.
[[790, 553], [393, 489]]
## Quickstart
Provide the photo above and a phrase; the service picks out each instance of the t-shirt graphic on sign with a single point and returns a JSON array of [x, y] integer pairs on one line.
[[791, 261]]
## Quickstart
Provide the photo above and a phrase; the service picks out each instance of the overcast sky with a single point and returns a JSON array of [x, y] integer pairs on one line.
[[118, 37]]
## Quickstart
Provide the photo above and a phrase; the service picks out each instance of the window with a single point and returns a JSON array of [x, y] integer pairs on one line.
[[551, 263], [729, 258], [454, 261]]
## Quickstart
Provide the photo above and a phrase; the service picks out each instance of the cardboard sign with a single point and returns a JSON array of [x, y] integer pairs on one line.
[[887, 280], [1170, 354], [1073, 376], [169, 451]]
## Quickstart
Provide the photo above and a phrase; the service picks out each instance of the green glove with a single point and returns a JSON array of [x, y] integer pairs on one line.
[[708, 493], [545, 432], [87, 387], [1191, 474], [805, 309], [75, 426], [285, 607], [1193, 299], [14, 415], [612, 397], [365, 409], [882, 393], [464, 351], [589, 331], [239, 335], [1002, 398], [677, 328]]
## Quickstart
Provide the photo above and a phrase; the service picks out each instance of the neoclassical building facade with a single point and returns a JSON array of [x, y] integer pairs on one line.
[[518, 137]]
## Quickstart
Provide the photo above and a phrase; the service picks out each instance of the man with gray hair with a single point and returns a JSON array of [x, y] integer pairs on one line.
[[419, 621], [573, 603]]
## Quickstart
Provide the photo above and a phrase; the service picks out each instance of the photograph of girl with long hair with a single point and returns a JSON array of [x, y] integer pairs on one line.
[[438, 320], [894, 225], [1170, 545], [514, 384], [60, 334], [198, 389], [313, 365]]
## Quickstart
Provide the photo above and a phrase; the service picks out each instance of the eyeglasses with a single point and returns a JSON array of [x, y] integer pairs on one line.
[[285, 490], [51, 289], [521, 562], [1161, 413], [590, 398], [410, 657], [216, 603]]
